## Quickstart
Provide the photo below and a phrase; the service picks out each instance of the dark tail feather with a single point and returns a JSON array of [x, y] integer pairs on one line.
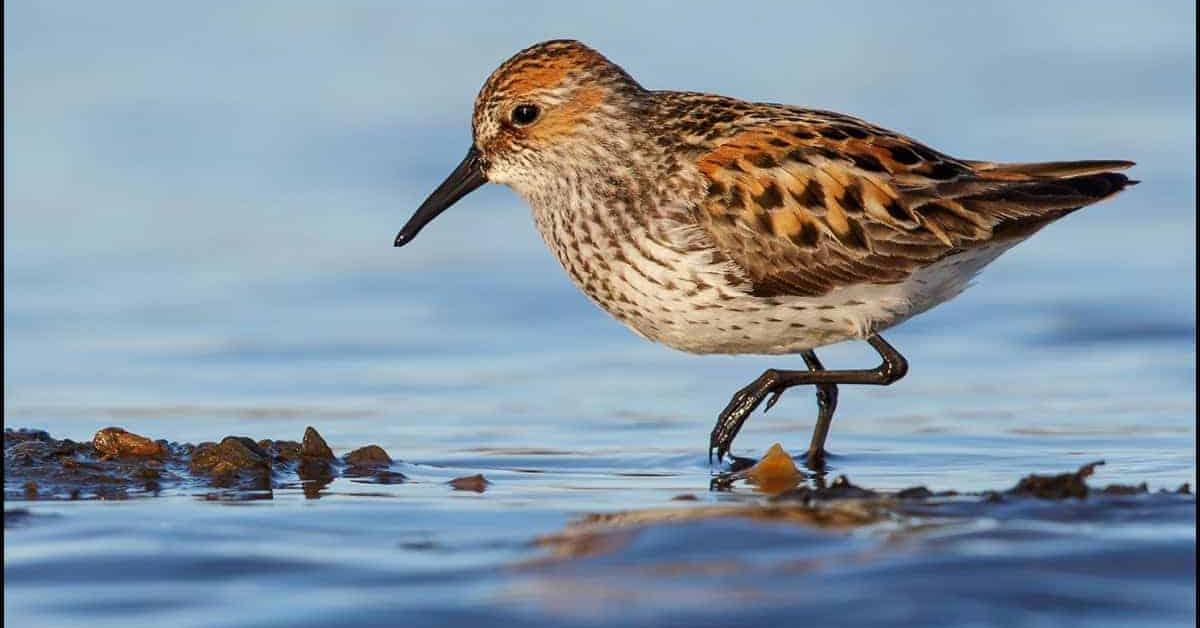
[[1051, 169], [1022, 207]]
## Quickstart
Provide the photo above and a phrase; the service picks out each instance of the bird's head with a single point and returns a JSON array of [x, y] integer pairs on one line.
[[554, 108]]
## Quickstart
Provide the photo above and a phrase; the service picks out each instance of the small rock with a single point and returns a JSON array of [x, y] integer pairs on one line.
[[369, 456], [801, 493], [23, 435], [1126, 489], [234, 455], [1184, 489], [1060, 486], [31, 490], [116, 442], [476, 483], [282, 450], [314, 446], [916, 492], [686, 497], [843, 489]]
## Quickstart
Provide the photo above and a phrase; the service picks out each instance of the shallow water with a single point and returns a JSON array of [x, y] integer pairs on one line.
[[197, 243]]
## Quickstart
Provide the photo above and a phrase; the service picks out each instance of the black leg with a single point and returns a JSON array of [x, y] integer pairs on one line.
[[827, 396], [773, 382]]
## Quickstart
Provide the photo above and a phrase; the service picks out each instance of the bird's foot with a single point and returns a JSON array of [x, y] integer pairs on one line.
[[739, 408]]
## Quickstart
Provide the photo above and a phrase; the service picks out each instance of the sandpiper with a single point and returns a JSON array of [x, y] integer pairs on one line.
[[715, 225]]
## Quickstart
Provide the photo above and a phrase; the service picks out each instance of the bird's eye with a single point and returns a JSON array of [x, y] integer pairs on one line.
[[525, 115]]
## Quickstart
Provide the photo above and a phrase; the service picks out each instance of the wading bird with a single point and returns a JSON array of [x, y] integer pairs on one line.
[[715, 225]]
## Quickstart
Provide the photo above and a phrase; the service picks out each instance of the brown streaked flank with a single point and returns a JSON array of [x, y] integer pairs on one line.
[[715, 225]]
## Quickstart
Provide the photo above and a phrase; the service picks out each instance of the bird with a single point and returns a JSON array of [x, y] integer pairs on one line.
[[714, 225]]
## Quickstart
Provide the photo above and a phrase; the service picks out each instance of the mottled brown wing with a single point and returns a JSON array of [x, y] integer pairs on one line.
[[813, 201]]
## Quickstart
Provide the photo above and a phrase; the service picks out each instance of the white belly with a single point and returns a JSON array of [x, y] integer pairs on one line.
[[755, 325]]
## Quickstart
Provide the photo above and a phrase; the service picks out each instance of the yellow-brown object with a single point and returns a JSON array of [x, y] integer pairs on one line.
[[775, 473], [116, 442]]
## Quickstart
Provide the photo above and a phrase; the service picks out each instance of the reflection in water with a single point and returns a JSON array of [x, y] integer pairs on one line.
[[315, 475], [973, 558]]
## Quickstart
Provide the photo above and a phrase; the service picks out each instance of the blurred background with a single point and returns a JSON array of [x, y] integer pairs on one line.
[[199, 207], [200, 200], [200, 203]]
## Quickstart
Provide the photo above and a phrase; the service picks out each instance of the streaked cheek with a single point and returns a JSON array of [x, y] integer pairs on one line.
[[568, 118]]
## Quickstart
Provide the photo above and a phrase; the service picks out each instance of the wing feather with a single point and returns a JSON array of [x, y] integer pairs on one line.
[[806, 201]]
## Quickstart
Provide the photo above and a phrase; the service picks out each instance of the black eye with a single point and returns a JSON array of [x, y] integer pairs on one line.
[[524, 115]]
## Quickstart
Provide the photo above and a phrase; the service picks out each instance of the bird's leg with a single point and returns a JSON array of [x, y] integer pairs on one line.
[[774, 382], [827, 396]]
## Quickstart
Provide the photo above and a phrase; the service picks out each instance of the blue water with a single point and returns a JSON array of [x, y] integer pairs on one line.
[[199, 208]]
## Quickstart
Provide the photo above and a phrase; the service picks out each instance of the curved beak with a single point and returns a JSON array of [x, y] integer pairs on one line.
[[465, 178]]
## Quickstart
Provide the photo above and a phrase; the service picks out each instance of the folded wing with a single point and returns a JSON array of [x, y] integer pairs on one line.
[[810, 201]]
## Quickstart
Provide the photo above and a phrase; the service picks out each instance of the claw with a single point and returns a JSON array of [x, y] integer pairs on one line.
[[743, 403], [771, 402]]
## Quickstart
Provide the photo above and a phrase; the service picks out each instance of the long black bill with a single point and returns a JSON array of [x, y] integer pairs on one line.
[[465, 178]]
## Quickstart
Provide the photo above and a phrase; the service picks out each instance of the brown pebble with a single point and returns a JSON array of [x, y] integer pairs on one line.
[[476, 483], [116, 442], [288, 449], [232, 455], [313, 446], [369, 456], [31, 490], [686, 497], [1126, 489], [281, 450]]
